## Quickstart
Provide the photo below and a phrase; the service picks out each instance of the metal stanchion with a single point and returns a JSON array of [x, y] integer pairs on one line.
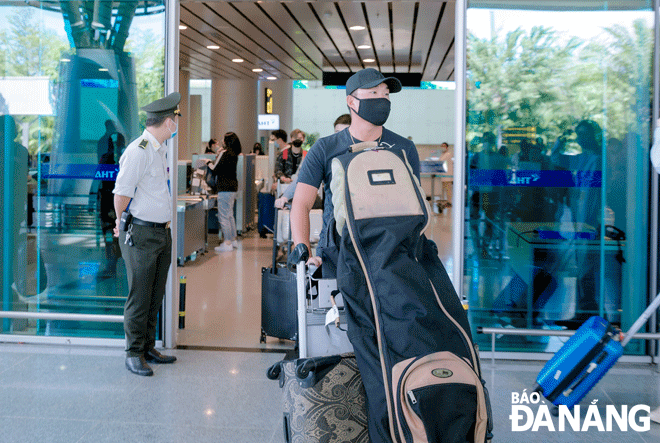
[[182, 302]]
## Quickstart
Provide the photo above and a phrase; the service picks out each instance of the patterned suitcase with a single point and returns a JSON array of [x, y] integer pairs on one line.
[[324, 399]]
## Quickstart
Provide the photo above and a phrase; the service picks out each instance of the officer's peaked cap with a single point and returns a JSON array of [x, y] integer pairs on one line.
[[164, 106]]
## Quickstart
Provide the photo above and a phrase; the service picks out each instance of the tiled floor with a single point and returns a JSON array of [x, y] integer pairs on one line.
[[223, 291], [78, 395], [218, 391]]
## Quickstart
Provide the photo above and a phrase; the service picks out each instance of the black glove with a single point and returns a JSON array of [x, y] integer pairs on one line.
[[299, 253]]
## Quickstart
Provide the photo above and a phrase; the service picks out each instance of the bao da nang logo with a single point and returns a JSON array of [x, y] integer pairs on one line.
[[524, 417]]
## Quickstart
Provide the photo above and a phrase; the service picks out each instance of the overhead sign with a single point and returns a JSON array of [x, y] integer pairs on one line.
[[269, 121], [269, 101]]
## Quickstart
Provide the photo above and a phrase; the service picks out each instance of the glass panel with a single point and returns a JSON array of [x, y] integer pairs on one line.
[[558, 127], [73, 76]]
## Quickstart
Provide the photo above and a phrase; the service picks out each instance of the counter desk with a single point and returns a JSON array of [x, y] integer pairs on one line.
[[192, 231]]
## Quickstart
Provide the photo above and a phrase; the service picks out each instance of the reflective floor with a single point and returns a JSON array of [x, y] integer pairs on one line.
[[218, 392], [223, 290], [61, 394]]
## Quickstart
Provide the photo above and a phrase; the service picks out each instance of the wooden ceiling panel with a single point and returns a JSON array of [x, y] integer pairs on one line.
[[268, 32], [333, 21], [379, 24], [305, 15], [239, 38], [427, 18], [302, 39], [441, 43], [354, 15], [297, 33], [446, 71], [403, 16]]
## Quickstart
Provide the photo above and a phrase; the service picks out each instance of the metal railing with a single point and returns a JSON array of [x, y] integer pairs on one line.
[[494, 332]]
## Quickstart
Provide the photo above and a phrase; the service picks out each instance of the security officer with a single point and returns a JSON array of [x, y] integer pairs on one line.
[[143, 198]]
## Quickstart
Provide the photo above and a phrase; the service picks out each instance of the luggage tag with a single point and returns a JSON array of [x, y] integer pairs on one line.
[[332, 316], [363, 146]]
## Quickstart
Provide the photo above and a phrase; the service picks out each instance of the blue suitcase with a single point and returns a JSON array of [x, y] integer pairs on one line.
[[580, 363], [585, 358]]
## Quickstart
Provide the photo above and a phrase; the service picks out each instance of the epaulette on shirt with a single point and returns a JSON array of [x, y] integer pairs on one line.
[[143, 144]]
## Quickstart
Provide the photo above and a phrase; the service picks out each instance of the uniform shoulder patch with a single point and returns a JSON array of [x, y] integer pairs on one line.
[[143, 144]]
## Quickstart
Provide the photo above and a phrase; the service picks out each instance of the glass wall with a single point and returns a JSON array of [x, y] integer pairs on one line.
[[558, 134], [73, 75]]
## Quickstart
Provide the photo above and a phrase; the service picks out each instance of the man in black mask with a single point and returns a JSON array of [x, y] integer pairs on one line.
[[289, 160], [367, 97]]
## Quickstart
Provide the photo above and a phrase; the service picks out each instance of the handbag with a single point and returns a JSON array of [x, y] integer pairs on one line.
[[211, 179]]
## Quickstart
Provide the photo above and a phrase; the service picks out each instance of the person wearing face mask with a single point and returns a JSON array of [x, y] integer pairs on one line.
[[227, 187], [142, 189], [368, 100], [289, 160]]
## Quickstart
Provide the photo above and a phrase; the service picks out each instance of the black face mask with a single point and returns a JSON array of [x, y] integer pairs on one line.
[[297, 143], [374, 110]]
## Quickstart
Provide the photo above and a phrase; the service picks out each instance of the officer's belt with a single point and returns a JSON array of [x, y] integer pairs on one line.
[[137, 221]]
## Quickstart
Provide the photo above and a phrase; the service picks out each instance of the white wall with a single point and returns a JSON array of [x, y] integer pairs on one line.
[[427, 115]]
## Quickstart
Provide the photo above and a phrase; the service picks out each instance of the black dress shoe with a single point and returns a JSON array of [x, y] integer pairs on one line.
[[156, 357], [138, 365]]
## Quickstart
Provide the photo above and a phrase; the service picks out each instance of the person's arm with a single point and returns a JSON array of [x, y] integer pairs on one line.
[[303, 202], [121, 203], [288, 193]]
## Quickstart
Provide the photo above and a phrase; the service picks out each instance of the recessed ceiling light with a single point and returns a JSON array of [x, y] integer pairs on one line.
[[271, 78], [103, 69], [182, 27], [257, 70], [357, 28], [368, 60], [213, 47], [65, 60], [364, 47], [237, 60]]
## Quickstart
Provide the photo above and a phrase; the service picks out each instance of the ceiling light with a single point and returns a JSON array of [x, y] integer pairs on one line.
[[357, 28], [257, 70], [213, 47], [182, 27], [368, 60], [364, 47], [271, 78], [237, 60], [103, 69], [65, 60]]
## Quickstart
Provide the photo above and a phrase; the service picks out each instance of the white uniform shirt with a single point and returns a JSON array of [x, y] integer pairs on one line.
[[143, 176]]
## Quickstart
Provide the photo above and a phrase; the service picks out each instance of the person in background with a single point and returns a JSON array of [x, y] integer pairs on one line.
[[279, 137], [342, 122], [297, 134], [143, 189], [227, 186], [258, 149], [289, 159], [447, 155], [212, 147]]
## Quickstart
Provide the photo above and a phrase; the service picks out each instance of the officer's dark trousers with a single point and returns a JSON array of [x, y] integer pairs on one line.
[[147, 264]]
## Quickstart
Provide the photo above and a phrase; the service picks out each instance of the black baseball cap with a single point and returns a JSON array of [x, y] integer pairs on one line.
[[370, 78], [164, 106]]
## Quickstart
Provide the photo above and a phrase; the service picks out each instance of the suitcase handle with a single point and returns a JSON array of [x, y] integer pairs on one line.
[[309, 371]]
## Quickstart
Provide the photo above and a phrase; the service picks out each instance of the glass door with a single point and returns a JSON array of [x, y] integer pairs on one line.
[[72, 78], [558, 126]]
